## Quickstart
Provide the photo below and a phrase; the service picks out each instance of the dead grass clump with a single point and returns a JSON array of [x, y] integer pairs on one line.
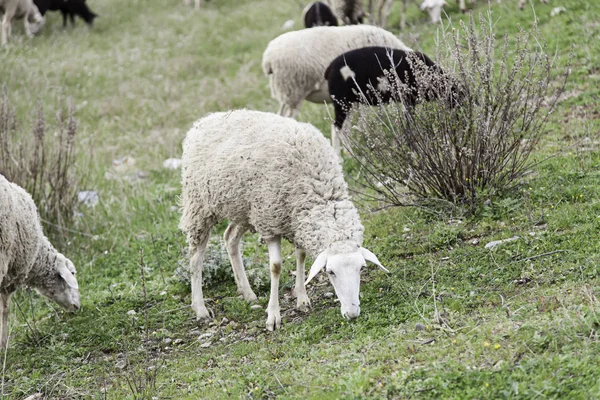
[[42, 160], [465, 153]]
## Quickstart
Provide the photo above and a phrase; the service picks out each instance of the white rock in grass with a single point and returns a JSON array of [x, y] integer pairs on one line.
[[121, 364], [36, 396], [205, 345], [287, 25], [255, 307], [88, 197], [495, 243], [131, 312], [557, 10], [172, 163]]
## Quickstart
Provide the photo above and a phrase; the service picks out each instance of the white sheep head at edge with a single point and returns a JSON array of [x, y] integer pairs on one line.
[[343, 262], [434, 8], [36, 21], [63, 287]]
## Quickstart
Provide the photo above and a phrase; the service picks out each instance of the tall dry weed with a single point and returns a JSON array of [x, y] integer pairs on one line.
[[42, 160], [465, 153]]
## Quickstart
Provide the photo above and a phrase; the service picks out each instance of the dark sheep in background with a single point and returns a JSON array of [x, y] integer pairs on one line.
[[361, 72], [318, 14], [68, 8]]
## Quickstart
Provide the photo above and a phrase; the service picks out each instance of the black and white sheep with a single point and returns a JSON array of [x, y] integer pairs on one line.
[[295, 62], [318, 13], [33, 20], [69, 9], [363, 76], [27, 258], [280, 178]]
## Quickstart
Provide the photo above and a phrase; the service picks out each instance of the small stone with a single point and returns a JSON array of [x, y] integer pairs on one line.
[[224, 321], [36, 396], [205, 345], [131, 312], [178, 341], [328, 295], [121, 364], [287, 25], [256, 307], [222, 339], [168, 340], [172, 163], [475, 242], [419, 327], [163, 293], [204, 336], [495, 243]]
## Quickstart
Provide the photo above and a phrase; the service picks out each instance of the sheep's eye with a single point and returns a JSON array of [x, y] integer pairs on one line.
[[330, 272]]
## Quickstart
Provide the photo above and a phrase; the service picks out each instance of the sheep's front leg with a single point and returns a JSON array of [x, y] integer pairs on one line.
[[273, 311], [233, 237], [335, 142], [4, 303], [197, 250], [27, 27], [302, 300], [5, 29]]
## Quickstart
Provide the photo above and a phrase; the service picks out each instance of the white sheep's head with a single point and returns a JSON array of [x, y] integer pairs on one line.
[[343, 262], [61, 286], [36, 21], [434, 8]]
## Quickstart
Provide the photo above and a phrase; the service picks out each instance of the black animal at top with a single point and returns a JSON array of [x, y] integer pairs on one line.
[[359, 76], [318, 13], [68, 8]]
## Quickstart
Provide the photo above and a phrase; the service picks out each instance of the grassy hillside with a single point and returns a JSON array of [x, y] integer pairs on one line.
[[452, 320]]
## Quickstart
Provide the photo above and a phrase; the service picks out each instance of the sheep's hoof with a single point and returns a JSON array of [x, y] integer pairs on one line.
[[303, 303], [202, 314], [273, 321], [250, 297]]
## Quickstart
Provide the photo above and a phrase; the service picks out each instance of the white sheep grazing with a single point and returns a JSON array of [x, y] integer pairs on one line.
[[27, 257], [296, 62], [13, 9], [196, 3], [280, 178], [350, 12]]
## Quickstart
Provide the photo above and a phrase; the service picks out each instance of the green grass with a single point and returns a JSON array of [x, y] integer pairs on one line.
[[452, 320]]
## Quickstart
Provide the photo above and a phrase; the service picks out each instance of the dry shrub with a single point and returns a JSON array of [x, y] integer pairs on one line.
[[465, 153], [41, 161]]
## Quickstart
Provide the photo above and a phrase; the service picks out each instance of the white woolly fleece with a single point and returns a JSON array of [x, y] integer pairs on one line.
[[267, 172], [296, 61]]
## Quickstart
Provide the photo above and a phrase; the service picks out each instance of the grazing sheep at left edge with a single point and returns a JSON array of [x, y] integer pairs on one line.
[[68, 8], [12, 9], [295, 62], [318, 13], [280, 178], [27, 257]]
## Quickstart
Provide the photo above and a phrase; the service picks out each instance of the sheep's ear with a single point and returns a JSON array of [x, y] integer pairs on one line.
[[317, 266], [68, 277], [372, 258]]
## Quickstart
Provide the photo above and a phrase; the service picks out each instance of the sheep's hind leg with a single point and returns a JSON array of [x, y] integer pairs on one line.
[[4, 303], [197, 249], [302, 300], [233, 236], [273, 311]]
